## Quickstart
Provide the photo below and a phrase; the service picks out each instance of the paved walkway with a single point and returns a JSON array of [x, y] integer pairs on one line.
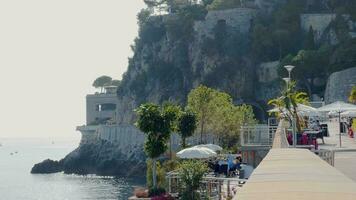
[[296, 174], [345, 157], [288, 173]]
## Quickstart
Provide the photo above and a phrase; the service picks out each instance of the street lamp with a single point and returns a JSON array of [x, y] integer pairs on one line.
[[289, 68]]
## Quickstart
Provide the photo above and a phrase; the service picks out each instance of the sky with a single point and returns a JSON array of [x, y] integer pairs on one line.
[[50, 53]]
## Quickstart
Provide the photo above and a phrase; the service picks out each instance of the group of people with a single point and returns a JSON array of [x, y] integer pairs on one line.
[[229, 166]]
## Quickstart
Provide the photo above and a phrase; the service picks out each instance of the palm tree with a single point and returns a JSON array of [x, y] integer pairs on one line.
[[289, 100]]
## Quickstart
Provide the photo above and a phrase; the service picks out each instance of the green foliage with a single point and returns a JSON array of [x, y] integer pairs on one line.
[[343, 7], [191, 173], [156, 123], [224, 4], [152, 30], [279, 35], [310, 64], [116, 83], [352, 97], [309, 43], [217, 114], [180, 26], [200, 101], [289, 100], [187, 123], [143, 16], [102, 81], [161, 175], [343, 56]]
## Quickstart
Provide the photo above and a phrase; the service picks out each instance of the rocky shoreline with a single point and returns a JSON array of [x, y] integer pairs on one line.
[[101, 158]]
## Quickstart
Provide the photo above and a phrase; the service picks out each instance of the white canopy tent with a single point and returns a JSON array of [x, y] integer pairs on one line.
[[351, 113], [213, 147], [195, 152], [302, 110], [338, 107]]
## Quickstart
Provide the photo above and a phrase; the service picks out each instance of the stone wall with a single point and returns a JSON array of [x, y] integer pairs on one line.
[[267, 72], [339, 85], [319, 22], [128, 140], [239, 19]]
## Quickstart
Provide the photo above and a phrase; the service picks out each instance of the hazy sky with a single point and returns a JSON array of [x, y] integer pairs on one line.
[[50, 53]]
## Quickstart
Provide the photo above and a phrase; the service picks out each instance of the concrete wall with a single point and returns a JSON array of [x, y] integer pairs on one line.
[[339, 85], [239, 19], [93, 100]]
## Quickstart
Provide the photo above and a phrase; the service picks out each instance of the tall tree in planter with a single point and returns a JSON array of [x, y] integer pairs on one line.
[[187, 123], [156, 123]]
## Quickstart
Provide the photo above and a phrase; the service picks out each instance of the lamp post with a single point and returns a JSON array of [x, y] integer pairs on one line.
[[289, 68]]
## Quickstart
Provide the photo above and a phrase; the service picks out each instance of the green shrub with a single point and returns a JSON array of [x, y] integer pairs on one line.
[[191, 174]]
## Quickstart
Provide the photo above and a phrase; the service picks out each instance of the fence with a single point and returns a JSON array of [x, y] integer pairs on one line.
[[258, 135], [327, 155], [210, 187]]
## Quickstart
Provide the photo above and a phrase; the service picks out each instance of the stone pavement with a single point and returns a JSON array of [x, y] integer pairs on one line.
[[345, 157], [296, 174]]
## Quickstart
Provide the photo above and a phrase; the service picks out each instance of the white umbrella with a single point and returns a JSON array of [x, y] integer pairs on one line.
[[338, 107], [302, 110], [195, 152], [213, 147], [351, 113]]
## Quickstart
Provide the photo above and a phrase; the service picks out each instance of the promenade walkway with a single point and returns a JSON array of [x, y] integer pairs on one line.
[[288, 174]]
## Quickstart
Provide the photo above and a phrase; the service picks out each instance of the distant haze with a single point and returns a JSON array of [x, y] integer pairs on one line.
[[51, 52]]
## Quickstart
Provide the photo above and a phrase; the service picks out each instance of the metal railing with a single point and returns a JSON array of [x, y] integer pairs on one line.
[[327, 155], [257, 135], [210, 187]]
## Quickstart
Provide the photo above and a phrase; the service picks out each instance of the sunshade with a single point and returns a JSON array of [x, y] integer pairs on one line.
[[213, 147], [302, 110], [338, 106], [194, 152], [351, 113]]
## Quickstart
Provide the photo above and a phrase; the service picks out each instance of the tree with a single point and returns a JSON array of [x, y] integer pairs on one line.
[[217, 114], [156, 122], [352, 97], [288, 101], [101, 82], [116, 83], [200, 102], [191, 173], [187, 123], [309, 43]]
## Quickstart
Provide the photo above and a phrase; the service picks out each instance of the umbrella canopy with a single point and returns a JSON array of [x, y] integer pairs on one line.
[[349, 113], [194, 152], [302, 110], [213, 147], [338, 106]]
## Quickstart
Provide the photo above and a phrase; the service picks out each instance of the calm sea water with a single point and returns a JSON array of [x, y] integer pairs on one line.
[[16, 182]]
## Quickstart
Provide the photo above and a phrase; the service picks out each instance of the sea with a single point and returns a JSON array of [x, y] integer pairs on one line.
[[17, 156]]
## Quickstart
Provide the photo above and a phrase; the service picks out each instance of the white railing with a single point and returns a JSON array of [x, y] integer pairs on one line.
[[327, 155], [210, 187], [257, 135]]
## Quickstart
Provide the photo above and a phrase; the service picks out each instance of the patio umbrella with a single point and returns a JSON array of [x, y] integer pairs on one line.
[[194, 152], [302, 110], [338, 107], [213, 147], [351, 113]]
